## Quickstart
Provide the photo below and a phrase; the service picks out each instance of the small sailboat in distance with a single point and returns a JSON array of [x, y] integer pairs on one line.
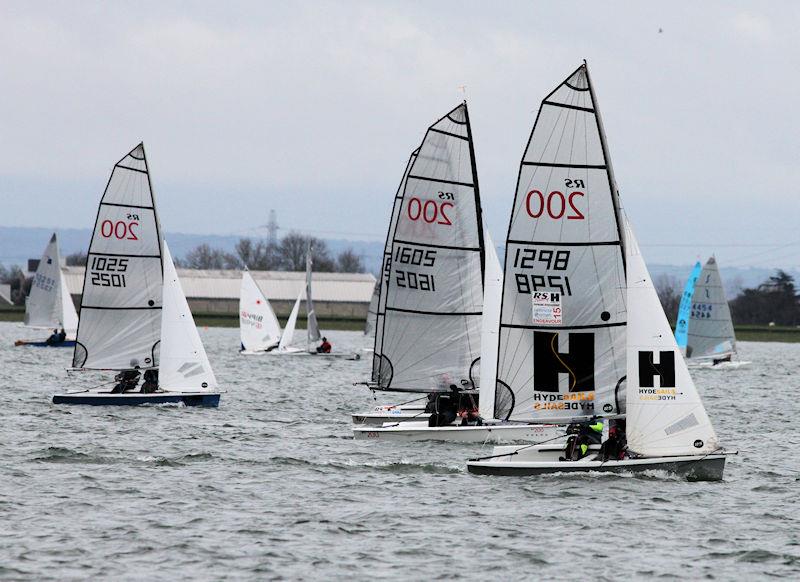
[[134, 314], [259, 329], [49, 304], [314, 335], [604, 330], [710, 338]]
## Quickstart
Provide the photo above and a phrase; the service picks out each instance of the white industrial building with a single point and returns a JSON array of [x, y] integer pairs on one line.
[[336, 295]]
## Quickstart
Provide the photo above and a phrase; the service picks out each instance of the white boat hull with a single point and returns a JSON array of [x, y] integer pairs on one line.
[[544, 460], [389, 414], [495, 433]]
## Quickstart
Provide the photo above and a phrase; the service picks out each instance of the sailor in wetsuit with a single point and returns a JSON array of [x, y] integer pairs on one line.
[[127, 381], [150, 383]]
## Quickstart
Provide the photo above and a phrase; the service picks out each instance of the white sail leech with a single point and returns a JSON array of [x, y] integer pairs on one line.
[[184, 365], [711, 333], [120, 321], [562, 330], [432, 292], [665, 415], [259, 328]]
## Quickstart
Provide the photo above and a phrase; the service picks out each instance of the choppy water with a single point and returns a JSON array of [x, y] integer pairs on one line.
[[271, 485]]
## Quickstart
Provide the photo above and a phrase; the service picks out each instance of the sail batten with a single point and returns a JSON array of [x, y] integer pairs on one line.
[[431, 300], [563, 316]]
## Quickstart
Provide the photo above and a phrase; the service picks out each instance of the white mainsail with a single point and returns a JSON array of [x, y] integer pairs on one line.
[[711, 332], [372, 310], [492, 296], [183, 365], [120, 322], [562, 329], [49, 304], [288, 331], [432, 295], [259, 329], [312, 325], [665, 415]]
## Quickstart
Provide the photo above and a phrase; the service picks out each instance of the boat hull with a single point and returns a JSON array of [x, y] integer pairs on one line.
[[64, 344], [389, 414], [135, 399], [692, 468], [493, 433]]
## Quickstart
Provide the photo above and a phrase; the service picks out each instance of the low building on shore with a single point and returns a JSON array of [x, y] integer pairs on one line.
[[216, 292]]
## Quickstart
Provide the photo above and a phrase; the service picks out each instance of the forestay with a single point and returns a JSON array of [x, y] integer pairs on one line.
[[120, 322], [312, 325], [432, 295], [259, 329], [665, 415], [184, 364], [685, 308], [711, 332], [562, 330]]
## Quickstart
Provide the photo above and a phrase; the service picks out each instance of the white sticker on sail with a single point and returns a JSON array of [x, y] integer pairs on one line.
[[547, 309]]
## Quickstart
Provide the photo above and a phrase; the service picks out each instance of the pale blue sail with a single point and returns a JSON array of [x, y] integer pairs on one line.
[[685, 308]]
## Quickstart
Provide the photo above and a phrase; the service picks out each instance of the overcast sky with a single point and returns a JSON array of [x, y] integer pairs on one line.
[[311, 108]]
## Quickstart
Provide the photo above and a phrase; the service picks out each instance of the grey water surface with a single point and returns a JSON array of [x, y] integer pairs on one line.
[[272, 486]]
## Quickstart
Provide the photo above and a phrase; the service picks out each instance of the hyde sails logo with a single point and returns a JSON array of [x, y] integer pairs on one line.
[[657, 375]]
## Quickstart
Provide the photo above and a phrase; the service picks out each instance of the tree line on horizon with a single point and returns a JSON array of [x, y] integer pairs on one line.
[[775, 301], [288, 254]]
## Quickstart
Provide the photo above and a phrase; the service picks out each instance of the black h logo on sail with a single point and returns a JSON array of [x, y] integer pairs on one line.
[[548, 362], [665, 369]]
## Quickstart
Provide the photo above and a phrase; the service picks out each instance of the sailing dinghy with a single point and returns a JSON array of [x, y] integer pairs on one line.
[[49, 304], [710, 338], [431, 303], [259, 329], [592, 320], [312, 327], [134, 314]]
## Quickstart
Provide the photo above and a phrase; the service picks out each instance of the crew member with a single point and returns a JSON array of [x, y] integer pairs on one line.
[[614, 447], [127, 381], [62, 336], [324, 347], [582, 435], [53, 339], [150, 383]]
